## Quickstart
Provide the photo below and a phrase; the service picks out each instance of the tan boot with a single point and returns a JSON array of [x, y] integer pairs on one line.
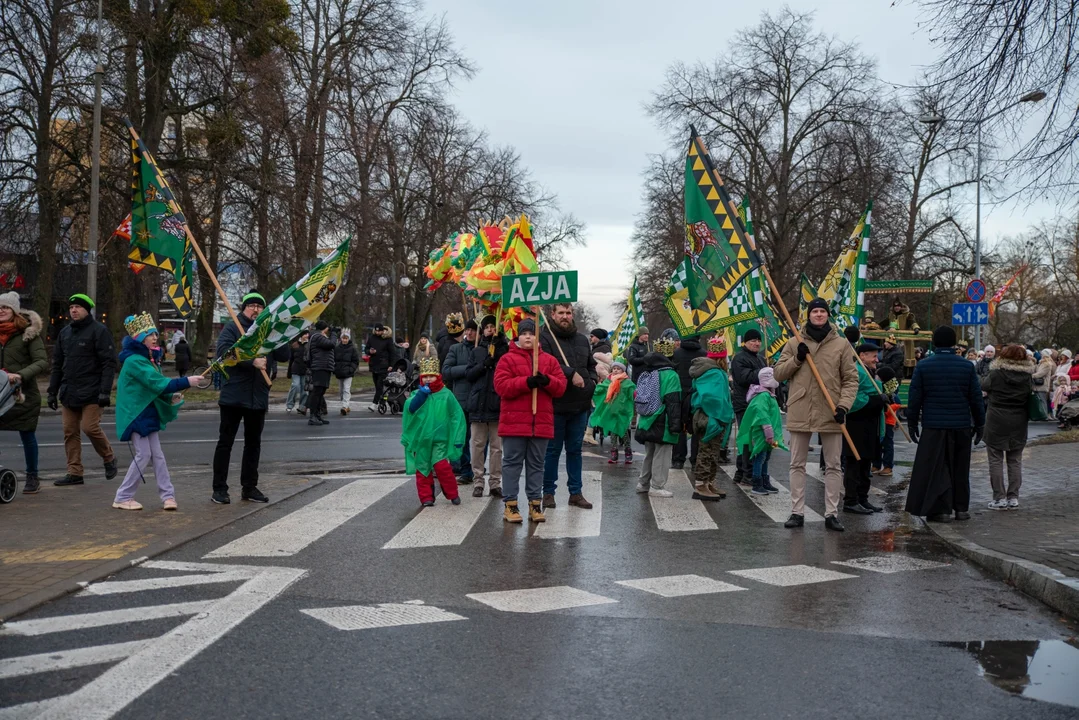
[[703, 492], [590, 437], [535, 511], [511, 514], [714, 490]]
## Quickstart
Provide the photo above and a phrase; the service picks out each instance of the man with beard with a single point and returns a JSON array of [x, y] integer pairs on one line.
[[573, 351], [946, 400], [808, 411], [865, 427], [684, 355]]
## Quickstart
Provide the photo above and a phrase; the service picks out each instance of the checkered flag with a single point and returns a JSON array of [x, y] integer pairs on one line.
[[740, 301], [680, 278], [631, 321]]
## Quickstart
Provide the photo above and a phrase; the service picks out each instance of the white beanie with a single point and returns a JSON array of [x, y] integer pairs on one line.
[[1030, 353], [11, 300], [1066, 353], [990, 348], [1047, 353]]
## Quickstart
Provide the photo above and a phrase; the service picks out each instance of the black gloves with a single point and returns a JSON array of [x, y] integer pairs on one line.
[[912, 428], [538, 380], [885, 398], [103, 400], [489, 362], [803, 352], [52, 402], [978, 432], [840, 415]]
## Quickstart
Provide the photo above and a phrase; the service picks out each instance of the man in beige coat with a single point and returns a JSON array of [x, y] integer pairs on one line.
[[808, 411]]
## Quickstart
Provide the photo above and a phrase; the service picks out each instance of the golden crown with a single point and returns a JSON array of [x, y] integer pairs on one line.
[[142, 324], [455, 323], [429, 366], [664, 346], [716, 344]]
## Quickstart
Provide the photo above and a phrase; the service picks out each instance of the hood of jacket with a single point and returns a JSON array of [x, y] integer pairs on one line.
[[1025, 365], [701, 365], [601, 347], [131, 346], [691, 344], [32, 330], [657, 361]]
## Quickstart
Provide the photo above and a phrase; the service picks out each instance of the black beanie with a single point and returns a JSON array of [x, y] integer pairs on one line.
[[488, 320], [471, 325], [944, 337], [818, 303], [884, 374], [751, 334], [599, 334], [527, 325], [852, 333]]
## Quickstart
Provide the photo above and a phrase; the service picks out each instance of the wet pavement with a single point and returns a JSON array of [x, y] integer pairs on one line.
[[346, 601]]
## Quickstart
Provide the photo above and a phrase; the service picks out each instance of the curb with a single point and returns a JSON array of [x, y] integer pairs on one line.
[[1041, 582]]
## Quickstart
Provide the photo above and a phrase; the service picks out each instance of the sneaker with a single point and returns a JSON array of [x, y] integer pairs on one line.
[[68, 479], [548, 501], [496, 491], [170, 504], [535, 511], [1013, 503], [758, 487], [832, 523], [428, 503], [1001, 504], [659, 492], [477, 491], [886, 472], [614, 457], [372, 407], [323, 420], [254, 495], [795, 521], [510, 513], [32, 485], [629, 457], [110, 469], [302, 411], [767, 484], [642, 488], [220, 497], [456, 500], [127, 505], [287, 409]]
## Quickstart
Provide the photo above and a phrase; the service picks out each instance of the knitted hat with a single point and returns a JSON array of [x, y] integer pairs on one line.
[[866, 347], [766, 378], [852, 334], [320, 326], [471, 325], [944, 337], [816, 303], [252, 298], [455, 323], [669, 334], [488, 320], [599, 334], [526, 327], [619, 364], [987, 348], [642, 330], [11, 300], [885, 373], [82, 301], [140, 326], [751, 334]]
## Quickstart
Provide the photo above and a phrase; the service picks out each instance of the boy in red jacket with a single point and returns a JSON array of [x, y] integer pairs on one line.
[[524, 433]]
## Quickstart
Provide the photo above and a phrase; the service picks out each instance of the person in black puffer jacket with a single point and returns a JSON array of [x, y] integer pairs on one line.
[[380, 353], [574, 354], [346, 361], [454, 371], [635, 353], [449, 335], [484, 405], [245, 397], [181, 352], [320, 365], [745, 366], [687, 351]]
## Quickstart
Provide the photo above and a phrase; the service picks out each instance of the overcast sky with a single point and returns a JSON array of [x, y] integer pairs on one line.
[[573, 77]]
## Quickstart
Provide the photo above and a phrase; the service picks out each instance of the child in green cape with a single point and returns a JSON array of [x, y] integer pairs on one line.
[[613, 399], [432, 431], [761, 430]]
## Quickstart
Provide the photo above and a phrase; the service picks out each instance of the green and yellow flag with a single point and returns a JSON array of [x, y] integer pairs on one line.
[[291, 312], [844, 285], [717, 253], [805, 296], [630, 323], [159, 234]]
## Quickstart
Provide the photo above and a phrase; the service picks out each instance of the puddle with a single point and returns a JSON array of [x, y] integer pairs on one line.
[[1041, 670]]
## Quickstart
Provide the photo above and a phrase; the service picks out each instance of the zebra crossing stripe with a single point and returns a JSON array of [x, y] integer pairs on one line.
[[65, 623], [67, 659], [175, 581], [681, 512], [442, 524], [573, 522], [383, 615]]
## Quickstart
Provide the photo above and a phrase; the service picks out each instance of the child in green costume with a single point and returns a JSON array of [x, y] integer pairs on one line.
[[146, 401], [432, 431], [761, 430], [613, 400]]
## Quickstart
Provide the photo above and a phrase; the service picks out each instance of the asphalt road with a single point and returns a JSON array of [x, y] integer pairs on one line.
[[348, 601]]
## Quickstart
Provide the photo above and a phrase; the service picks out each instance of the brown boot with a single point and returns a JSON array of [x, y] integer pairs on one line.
[[535, 511], [478, 490], [885, 472], [580, 502], [510, 513], [714, 490], [548, 501], [702, 492]]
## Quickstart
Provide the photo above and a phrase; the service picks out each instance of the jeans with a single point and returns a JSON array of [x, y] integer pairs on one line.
[[568, 432], [886, 456], [29, 450], [297, 393], [254, 421], [146, 449], [522, 453], [760, 464]]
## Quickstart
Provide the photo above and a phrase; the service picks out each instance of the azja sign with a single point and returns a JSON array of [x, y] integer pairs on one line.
[[544, 288]]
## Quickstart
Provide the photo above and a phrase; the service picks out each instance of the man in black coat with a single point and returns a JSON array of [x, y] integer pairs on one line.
[[635, 353], [450, 335], [684, 355], [484, 406], [892, 357], [297, 373], [320, 366], [600, 340], [245, 397], [865, 427], [574, 353], [745, 366], [454, 375], [346, 361], [181, 353], [380, 354], [83, 367]]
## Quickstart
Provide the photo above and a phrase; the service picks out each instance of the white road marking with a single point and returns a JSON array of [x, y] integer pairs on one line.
[[888, 564], [570, 522], [65, 623], [679, 585], [200, 567], [336, 437], [777, 506], [27, 710], [67, 659], [383, 615], [129, 586], [790, 575], [681, 512], [443, 524], [813, 470], [292, 533], [538, 600], [159, 658]]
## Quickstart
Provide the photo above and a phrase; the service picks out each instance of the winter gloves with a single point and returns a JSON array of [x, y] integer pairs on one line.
[[537, 381], [803, 352]]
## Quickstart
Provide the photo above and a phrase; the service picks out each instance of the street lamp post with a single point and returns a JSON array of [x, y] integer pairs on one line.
[[1032, 96], [95, 170], [393, 282]]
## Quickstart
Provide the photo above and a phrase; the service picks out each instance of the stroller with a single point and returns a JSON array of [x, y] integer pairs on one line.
[[9, 483], [399, 384], [1069, 414]]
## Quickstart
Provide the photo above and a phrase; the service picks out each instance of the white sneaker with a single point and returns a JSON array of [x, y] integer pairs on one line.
[[998, 504], [642, 488], [1013, 503], [372, 407], [127, 505], [656, 492]]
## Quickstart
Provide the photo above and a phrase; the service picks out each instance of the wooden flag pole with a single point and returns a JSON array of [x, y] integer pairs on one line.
[[212, 274], [535, 360], [553, 339]]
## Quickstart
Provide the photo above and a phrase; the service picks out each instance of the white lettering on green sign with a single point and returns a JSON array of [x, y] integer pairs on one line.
[[540, 289]]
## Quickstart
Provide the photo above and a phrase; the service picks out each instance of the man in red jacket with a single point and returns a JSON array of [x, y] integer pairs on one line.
[[524, 433]]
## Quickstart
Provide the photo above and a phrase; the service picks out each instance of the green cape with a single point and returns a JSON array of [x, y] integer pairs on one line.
[[434, 432], [763, 410], [140, 384], [712, 396], [668, 383], [865, 389], [613, 418]]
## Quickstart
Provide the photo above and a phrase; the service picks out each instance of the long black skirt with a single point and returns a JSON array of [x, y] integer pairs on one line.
[[940, 480]]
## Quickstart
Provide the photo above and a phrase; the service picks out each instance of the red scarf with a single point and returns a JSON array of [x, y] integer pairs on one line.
[[7, 331], [435, 384]]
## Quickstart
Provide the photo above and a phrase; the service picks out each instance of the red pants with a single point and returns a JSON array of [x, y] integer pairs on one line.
[[425, 484]]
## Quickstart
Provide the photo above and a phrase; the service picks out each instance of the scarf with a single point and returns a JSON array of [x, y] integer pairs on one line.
[[818, 333], [436, 384], [7, 331], [616, 385]]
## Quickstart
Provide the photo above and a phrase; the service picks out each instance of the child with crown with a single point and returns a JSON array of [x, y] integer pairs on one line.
[[432, 432], [145, 404]]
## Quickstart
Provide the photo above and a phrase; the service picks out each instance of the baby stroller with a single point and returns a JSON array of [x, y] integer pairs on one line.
[[399, 384], [1069, 414], [9, 483]]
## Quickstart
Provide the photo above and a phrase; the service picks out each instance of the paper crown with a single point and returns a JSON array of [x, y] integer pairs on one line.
[[429, 366], [455, 323], [716, 345], [664, 346], [140, 326]]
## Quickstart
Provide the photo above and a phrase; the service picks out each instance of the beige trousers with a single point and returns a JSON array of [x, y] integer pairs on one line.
[[482, 433], [88, 420], [832, 447]]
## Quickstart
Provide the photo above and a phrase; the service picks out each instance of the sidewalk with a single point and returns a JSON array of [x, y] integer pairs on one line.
[[1035, 548]]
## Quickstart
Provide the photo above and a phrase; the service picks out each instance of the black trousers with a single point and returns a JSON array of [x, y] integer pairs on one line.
[[740, 466], [693, 445], [379, 378], [254, 421], [857, 478]]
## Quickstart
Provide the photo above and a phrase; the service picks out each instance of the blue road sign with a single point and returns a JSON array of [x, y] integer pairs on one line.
[[976, 290], [970, 313]]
